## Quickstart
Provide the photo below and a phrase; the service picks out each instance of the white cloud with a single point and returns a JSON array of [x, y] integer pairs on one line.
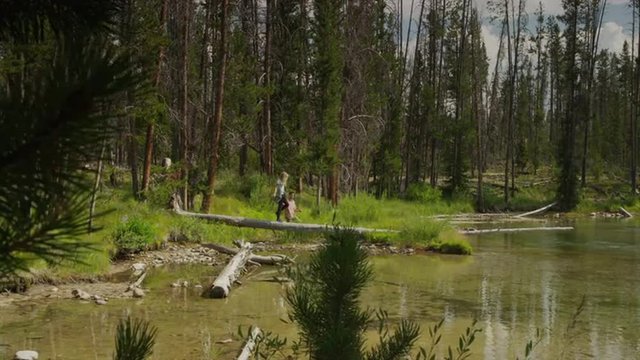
[[613, 36], [615, 29], [491, 42]]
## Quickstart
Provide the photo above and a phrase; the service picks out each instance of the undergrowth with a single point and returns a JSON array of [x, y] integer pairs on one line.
[[130, 225]]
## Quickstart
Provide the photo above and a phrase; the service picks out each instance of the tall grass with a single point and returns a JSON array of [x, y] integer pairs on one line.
[[251, 197]]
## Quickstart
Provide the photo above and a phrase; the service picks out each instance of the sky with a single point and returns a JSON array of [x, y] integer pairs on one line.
[[616, 26]]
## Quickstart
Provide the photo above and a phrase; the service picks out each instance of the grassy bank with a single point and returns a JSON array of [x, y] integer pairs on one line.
[[129, 225]]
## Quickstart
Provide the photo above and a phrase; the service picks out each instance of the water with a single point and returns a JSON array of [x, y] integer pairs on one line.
[[514, 284]]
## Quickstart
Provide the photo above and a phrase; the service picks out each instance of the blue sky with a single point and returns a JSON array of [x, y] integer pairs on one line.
[[616, 26]]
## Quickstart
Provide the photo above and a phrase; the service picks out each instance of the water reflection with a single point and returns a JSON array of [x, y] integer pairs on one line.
[[514, 285]]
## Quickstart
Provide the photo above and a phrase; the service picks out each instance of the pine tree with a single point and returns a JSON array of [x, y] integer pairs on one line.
[[328, 68]]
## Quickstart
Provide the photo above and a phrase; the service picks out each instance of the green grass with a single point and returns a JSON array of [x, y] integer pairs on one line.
[[249, 198], [451, 242]]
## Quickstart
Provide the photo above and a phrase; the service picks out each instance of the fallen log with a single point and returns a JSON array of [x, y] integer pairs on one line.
[[137, 283], [247, 349], [266, 224], [537, 211], [230, 274], [511, 230], [626, 213], [260, 259]]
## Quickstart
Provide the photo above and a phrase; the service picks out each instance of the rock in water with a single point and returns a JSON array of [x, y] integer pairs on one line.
[[101, 302], [138, 268], [138, 293], [82, 295], [26, 355]]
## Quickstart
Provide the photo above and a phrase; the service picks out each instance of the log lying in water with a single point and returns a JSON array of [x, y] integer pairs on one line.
[[260, 259], [222, 285], [625, 212], [137, 283], [265, 224], [247, 349], [537, 211], [511, 230]]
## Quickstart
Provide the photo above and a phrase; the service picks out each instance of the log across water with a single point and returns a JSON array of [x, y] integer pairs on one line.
[[266, 224], [298, 227], [512, 230]]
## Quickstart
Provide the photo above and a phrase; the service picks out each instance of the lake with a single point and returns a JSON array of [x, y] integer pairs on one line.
[[514, 285]]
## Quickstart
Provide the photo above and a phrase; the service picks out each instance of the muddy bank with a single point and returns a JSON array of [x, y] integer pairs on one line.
[[114, 284]]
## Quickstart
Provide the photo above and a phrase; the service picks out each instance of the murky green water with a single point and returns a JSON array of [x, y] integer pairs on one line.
[[513, 284]]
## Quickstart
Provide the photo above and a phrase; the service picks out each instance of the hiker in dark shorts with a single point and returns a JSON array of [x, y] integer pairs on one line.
[[279, 194]]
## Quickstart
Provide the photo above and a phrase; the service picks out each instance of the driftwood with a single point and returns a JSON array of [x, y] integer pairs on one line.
[[537, 211], [625, 212], [138, 282], [266, 224], [247, 349], [511, 230], [230, 274], [259, 259]]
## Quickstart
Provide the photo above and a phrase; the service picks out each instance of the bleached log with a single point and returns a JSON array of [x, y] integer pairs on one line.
[[266, 224], [625, 212], [512, 230], [260, 259], [138, 282], [537, 211], [230, 274], [247, 349]]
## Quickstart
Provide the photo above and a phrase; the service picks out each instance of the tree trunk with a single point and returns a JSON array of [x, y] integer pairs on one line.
[[184, 102], [216, 127], [247, 349], [267, 151], [510, 106], [222, 285], [242, 164], [513, 230], [133, 158], [96, 186], [260, 259], [634, 119], [319, 192], [274, 225], [148, 149]]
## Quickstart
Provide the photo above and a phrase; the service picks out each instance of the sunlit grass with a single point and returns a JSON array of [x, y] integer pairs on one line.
[[410, 219]]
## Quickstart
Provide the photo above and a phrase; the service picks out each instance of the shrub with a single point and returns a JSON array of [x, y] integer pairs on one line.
[[188, 230], [451, 242], [133, 235], [423, 193], [255, 188], [359, 210], [325, 304], [134, 339], [424, 232], [159, 194]]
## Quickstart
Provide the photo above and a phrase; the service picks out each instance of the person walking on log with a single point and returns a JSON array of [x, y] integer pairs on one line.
[[292, 209], [279, 194]]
